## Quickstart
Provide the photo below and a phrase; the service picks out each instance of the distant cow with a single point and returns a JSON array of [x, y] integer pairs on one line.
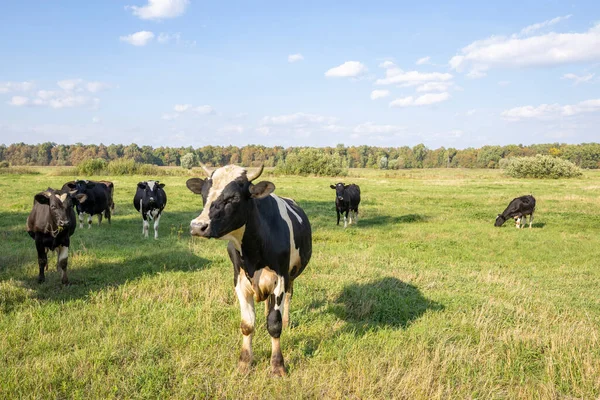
[[149, 200], [270, 244], [518, 209], [51, 223], [99, 199], [347, 198]]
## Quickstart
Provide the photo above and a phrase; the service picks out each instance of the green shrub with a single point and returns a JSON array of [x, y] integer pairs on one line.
[[92, 166], [313, 162], [124, 166], [188, 161], [147, 169], [542, 167]]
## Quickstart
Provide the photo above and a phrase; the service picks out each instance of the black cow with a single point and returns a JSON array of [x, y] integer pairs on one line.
[[51, 223], [347, 198], [270, 244], [518, 209], [99, 199], [149, 200]]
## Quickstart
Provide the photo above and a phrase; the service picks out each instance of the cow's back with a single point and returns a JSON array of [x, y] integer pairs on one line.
[[354, 194]]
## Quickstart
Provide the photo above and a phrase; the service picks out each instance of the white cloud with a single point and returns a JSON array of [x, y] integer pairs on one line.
[[69, 84], [550, 111], [170, 117], [541, 50], [79, 85], [9, 87], [387, 64], [426, 99], [435, 87], [297, 118], [347, 69], [424, 60], [160, 9], [19, 101], [166, 38], [292, 58], [140, 38], [578, 79], [395, 75], [72, 93], [535, 27], [232, 129], [205, 110], [471, 112], [182, 107], [96, 120], [378, 94], [369, 128]]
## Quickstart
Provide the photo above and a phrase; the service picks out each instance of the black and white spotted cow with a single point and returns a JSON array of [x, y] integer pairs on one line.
[[99, 199], [150, 200], [519, 208], [270, 244], [347, 198], [51, 223]]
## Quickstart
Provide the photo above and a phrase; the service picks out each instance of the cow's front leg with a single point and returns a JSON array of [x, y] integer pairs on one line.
[[145, 225], [346, 219], [274, 326], [81, 220], [90, 221], [63, 258], [243, 289], [156, 223], [42, 259], [530, 220], [338, 215]]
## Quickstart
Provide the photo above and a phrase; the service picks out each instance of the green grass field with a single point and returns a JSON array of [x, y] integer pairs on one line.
[[424, 299]]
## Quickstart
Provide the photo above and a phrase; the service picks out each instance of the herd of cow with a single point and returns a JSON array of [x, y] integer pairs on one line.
[[270, 237]]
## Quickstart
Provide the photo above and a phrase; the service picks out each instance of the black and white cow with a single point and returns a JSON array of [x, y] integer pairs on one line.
[[99, 199], [270, 244], [347, 198], [518, 209], [51, 223], [150, 200]]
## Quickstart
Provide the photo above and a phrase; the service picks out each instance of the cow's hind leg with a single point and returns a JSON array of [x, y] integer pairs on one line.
[[243, 289], [99, 219], [81, 220], [145, 228], [346, 219], [156, 223], [107, 215], [63, 259], [530, 219], [286, 305], [274, 326], [338, 216], [42, 259], [90, 221]]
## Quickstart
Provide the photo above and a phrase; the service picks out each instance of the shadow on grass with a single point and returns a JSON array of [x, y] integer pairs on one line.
[[388, 219], [384, 303]]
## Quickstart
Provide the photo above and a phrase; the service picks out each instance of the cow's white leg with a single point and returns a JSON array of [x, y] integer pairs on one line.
[[530, 220], [518, 222], [81, 220], [63, 259], [345, 221], [89, 221], [286, 305], [145, 228], [274, 326], [156, 222], [243, 289]]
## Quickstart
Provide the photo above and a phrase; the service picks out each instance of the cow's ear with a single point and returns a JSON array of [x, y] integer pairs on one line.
[[332, 186], [71, 185], [195, 185], [42, 198], [161, 185], [261, 189], [81, 197], [142, 185]]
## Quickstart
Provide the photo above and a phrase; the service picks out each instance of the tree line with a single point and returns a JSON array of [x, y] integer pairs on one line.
[[585, 155]]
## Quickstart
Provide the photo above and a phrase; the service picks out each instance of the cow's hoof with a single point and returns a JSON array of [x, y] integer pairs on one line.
[[41, 279], [278, 370], [65, 281]]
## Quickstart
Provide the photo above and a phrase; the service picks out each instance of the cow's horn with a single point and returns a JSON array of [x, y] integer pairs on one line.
[[252, 177], [205, 168]]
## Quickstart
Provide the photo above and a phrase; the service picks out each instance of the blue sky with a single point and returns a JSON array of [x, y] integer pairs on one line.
[[317, 73]]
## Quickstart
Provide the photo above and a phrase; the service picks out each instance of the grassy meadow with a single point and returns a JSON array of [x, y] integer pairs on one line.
[[423, 299]]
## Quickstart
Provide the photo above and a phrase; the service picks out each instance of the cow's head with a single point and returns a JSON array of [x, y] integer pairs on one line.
[[150, 189], [228, 195], [339, 190], [59, 202], [80, 187], [500, 220]]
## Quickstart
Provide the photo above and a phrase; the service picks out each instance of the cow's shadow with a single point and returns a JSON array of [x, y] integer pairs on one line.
[[379, 220], [384, 303]]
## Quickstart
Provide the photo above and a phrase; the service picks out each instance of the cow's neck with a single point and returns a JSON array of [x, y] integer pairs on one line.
[[252, 240]]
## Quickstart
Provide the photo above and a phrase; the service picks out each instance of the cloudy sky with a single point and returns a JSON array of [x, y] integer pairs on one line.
[[318, 73]]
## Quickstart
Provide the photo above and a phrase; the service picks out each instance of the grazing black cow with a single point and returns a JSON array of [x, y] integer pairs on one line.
[[270, 243], [518, 209], [347, 198], [51, 223], [149, 200], [99, 199]]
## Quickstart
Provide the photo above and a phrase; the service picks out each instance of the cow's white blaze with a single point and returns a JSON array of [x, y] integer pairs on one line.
[[220, 178], [151, 184], [294, 252]]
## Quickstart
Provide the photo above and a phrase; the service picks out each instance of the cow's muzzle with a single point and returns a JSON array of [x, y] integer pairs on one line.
[[199, 229], [340, 198]]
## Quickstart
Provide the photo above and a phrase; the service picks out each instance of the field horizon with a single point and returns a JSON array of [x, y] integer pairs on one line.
[[424, 298]]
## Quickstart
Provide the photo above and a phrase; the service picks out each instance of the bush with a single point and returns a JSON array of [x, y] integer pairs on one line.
[[313, 162], [542, 167], [125, 166], [4, 164], [92, 166], [188, 161]]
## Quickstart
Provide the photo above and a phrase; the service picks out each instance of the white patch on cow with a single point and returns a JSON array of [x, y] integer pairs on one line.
[[245, 294], [220, 178], [235, 237], [156, 221], [145, 228], [151, 184], [294, 252], [345, 222], [278, 291], [290, 209], [89, 221], [63, 253], [81, 220]]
